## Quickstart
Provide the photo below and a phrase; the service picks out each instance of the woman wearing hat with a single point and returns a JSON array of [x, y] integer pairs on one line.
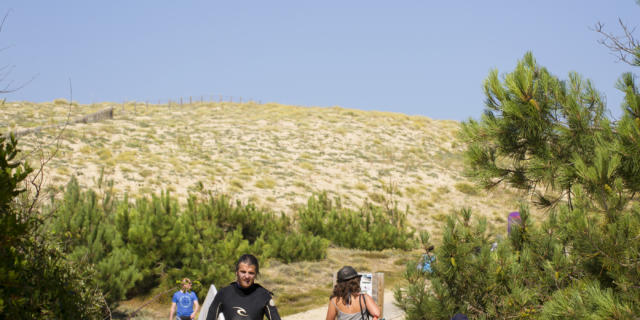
[[347, 303]]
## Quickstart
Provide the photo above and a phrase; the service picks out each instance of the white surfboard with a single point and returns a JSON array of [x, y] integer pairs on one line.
[[207, 303]]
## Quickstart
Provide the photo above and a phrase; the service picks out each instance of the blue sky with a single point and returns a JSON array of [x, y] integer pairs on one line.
[[413, 57]]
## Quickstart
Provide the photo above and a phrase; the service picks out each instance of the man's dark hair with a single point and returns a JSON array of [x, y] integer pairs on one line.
[[249, 259]]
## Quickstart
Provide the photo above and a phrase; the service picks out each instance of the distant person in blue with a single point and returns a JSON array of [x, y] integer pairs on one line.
[[427, 260], [184, 300]]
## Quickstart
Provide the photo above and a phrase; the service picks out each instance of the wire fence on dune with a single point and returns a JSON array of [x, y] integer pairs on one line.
[[203, 98], [108, 112]]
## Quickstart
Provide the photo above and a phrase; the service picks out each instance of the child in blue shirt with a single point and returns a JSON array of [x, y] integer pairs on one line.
[[184, 301]]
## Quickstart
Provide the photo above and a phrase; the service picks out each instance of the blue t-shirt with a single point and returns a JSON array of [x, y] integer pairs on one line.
[[184, 301]]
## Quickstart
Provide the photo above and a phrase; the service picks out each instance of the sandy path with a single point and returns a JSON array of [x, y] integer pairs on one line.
[[390, 311]]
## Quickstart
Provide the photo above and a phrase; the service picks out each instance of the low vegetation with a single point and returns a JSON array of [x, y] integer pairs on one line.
[[112, 219], [370, 228], [136, 245]]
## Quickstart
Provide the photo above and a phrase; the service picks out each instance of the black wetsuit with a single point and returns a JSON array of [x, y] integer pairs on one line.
[[237, 303]]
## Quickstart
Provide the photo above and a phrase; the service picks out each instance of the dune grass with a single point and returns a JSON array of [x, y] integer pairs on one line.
[[274, 155]]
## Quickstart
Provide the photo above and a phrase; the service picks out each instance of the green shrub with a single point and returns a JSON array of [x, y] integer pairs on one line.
[[467, 276], [370, 228], [297, 247], [84, 224], [216, 232], [541, 272], [136, 246]]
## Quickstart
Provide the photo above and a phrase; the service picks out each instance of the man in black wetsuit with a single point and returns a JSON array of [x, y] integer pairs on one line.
[[244, 299]]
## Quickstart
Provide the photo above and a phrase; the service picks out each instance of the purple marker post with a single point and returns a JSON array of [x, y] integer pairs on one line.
[[514, 217]]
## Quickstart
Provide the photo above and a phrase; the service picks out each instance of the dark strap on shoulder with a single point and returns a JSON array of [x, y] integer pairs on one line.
[[363, 311]]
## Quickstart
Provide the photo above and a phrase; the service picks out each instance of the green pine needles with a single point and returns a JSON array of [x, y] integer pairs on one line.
[[533, 126], [137, 246], [370, 228], [551, 138]]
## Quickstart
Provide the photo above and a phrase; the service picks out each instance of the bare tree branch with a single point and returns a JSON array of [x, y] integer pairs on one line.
[[37, 179], [6, 70], [4, 19], [109, 315], [625, 47]]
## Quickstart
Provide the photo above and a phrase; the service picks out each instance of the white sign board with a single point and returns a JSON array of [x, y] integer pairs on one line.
[[366, 283]]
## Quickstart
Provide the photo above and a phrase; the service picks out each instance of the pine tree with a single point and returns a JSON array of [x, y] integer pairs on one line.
[[370, 228], [215, 232], [36, 280], [85, 224], [532, 127], [583, 259], [208, 251], [150, 230]]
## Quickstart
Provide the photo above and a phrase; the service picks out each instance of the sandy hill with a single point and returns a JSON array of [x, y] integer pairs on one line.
[[273, 155]]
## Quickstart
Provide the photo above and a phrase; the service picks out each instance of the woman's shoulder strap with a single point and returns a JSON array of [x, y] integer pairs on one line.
[[364, 312]]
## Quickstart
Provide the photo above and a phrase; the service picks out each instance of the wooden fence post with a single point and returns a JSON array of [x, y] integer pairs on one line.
[[378, 291]]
